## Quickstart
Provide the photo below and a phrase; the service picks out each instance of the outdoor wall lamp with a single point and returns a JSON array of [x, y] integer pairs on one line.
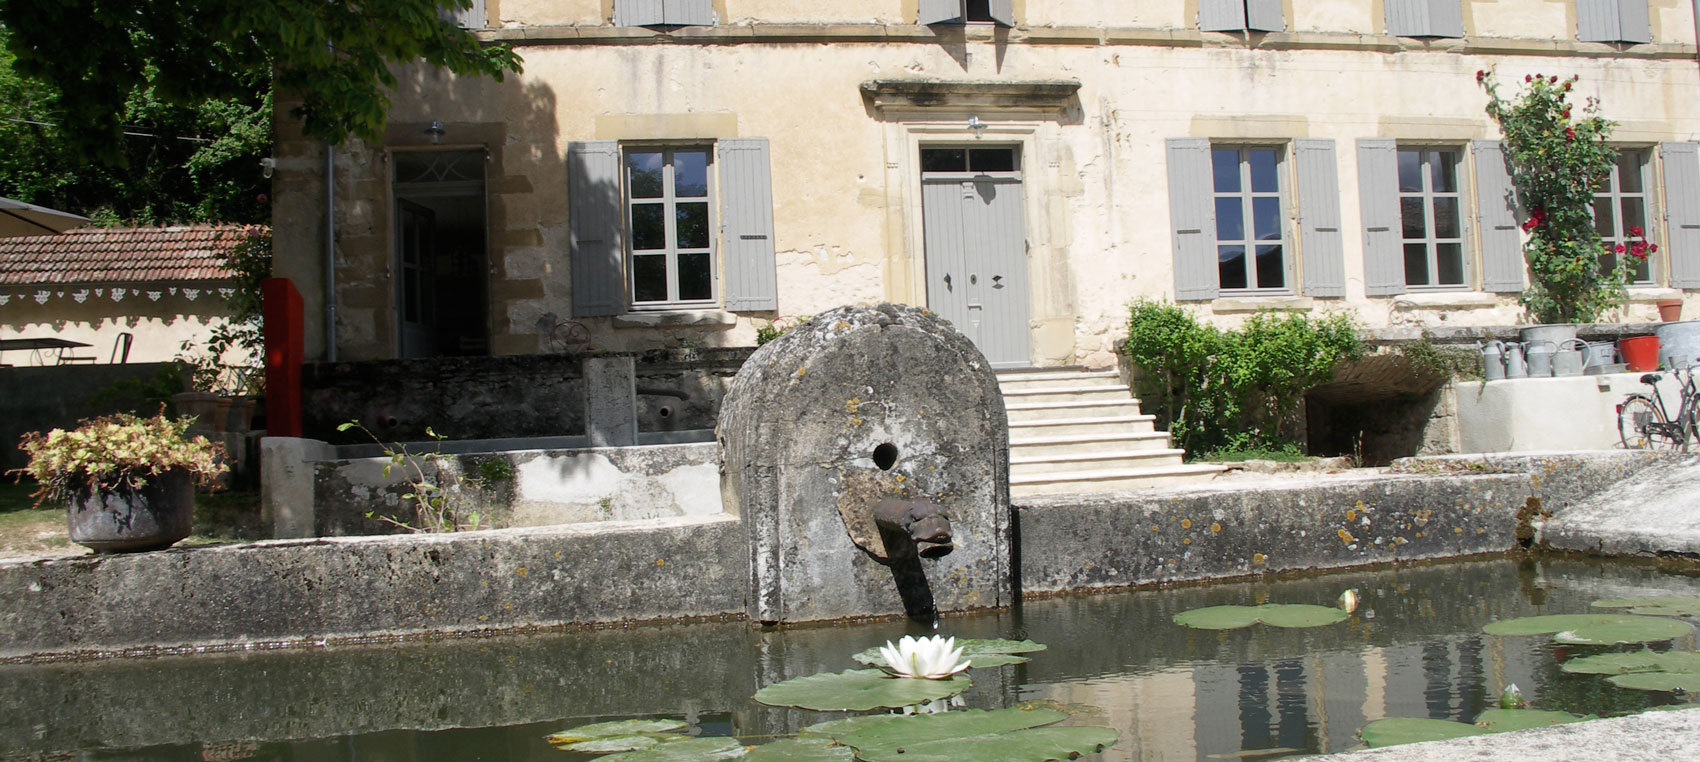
[[977, 126], [267, 166], [435, 131]]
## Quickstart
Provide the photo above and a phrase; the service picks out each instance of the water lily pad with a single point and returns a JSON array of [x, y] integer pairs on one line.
[[1658, 681], [712, 749], [1592, 629], [1642, 661], [616, 729], [1506, 720], [610, 745], [1655, 605], [1272, 614], [1402, 730], [801, 750], [836, 729], [1004, 735], [979, 653], [859, 690]]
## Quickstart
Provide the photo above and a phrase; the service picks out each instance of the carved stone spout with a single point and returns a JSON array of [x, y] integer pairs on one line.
[[924, 521]]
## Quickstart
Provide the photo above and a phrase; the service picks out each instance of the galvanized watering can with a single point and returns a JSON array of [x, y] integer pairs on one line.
[[1493, 359], [1538, 355], [1514, 365], [1571, 357]]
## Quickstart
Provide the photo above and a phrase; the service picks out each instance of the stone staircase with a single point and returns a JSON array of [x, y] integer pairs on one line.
[[1073, 430]]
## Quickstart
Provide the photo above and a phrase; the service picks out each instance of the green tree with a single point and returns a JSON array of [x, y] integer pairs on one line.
[[334, 56]]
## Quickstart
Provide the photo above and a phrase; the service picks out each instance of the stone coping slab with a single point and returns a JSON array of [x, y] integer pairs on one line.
[[1670, 735]]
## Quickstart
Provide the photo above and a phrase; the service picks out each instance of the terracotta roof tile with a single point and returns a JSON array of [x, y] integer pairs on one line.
[[120, 255]]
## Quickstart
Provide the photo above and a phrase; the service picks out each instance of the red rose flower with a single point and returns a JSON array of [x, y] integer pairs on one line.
[[1527, 78], [1569, 134], [1620, 248], [1635, 231]]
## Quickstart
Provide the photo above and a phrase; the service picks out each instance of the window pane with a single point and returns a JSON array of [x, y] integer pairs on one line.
[[1643, 269], [1634, 214], [1266, 218], [1411, 215], [1271, 272], [979, 10], [991, 160], [1443, 171], [1629, 171], [1225, 165], [1604, 223], [1449, 260], [1230, 223], [649, 278], [692, 219], [649, 227], [1263, 176], [690, 174], [1230, 267], [1416, 264], [1446, 218], [1410, 171], [944, 160], [644, 171], [694, 277]]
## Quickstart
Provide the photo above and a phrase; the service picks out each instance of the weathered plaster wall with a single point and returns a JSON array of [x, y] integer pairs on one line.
[[159, 319], [845, 207]]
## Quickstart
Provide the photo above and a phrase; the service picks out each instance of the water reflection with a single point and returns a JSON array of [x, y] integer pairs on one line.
[[1413, 649]]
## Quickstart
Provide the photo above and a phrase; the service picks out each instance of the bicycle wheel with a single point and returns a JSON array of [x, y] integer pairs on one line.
[[1642, 427]]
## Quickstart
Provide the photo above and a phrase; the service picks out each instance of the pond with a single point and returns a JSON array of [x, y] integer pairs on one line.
[[1414, 648]]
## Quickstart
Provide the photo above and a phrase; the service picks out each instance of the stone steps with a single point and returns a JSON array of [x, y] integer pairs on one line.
[[1073, 430]]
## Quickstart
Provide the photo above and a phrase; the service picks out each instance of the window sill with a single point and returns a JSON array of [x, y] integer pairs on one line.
[[1650, 294], [676, 319], [1446, 300], [1223, 305]]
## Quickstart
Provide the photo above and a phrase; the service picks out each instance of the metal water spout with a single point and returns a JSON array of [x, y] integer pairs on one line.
[[923, 521]]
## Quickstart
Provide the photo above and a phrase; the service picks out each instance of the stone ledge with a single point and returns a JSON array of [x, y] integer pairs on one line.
[[1236, 304], [676, 319]]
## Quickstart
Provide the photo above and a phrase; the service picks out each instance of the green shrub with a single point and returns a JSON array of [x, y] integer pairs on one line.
[[1232, 389]]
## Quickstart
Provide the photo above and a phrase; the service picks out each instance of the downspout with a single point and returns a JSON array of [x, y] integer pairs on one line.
[[330, 251]]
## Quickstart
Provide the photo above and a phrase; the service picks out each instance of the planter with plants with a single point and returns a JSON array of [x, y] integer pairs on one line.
[[127, 483]]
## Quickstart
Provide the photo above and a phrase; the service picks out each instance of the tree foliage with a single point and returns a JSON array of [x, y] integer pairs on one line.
[[334, 56]]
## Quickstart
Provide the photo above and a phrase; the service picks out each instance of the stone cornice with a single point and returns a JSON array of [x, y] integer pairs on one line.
[[1042, 95]]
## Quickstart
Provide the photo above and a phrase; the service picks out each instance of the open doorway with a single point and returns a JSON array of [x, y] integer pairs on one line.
[[441, 263]]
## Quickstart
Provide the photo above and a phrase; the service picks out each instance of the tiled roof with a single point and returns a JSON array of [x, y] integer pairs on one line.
[[120, 255]]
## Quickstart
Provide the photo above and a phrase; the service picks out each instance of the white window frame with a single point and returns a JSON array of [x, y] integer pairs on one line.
[[1248, 219], [1618, 232], [1427, 195], [671, 250]]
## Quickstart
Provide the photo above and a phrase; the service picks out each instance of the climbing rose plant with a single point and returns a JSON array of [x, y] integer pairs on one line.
[[1557, 161]]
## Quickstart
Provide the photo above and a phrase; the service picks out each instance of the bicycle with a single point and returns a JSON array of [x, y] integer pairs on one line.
[[1644, 424]]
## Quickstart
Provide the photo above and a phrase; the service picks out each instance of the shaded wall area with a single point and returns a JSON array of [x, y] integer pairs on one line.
[[503, 397], [57, 396]]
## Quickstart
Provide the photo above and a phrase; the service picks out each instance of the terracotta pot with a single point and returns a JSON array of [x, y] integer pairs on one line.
[[1670, 310], [154, 516]]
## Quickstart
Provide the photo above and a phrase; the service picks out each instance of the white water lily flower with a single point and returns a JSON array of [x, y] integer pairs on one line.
[[932, 658], [1349, 600]]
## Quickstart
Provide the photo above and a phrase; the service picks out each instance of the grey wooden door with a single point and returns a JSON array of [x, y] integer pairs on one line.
[[416, 289], [976, 250]]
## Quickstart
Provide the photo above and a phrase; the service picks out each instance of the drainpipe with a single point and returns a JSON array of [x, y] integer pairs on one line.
[[330, 251]]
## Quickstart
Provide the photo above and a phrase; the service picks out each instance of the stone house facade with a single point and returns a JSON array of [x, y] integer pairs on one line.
[[680, 173]]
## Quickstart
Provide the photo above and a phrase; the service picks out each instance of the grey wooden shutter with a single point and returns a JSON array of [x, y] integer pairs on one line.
[[1264, 16], [746, 225], [1003, 11], [1445, 18], [1407, 18], [639, 13], [472, 17], [1221, 15], [1378, 211], [1193, 218], [594, 209], [1496, 219], [1597, 21], [1682, 212], [1634, 25], [688, 12], [939, 11], [1319, 218]]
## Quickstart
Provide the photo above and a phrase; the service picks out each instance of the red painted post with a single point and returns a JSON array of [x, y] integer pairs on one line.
[[284, 333]]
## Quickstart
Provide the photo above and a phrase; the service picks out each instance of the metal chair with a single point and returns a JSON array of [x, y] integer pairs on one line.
[[121, 349]]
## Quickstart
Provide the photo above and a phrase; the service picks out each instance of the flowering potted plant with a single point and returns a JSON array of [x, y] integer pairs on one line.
[[1558, 161], [128, 483]]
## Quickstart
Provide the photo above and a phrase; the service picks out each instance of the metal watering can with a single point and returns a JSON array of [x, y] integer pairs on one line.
[[1538, 354], [1514, 364], [1571, 358], [1493, 359]]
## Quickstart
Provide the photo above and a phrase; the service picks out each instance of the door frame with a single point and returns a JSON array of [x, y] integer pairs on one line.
[[394, 196]]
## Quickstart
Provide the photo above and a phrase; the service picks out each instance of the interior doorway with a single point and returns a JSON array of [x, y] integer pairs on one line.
[[441, 262]]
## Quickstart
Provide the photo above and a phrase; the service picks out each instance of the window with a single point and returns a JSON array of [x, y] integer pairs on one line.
[[967, 11], [1613, 21], [1251, 233], [685, 226], [471, 17], [1430, 217], [671, 252], [1621, 204], [1240, 15], [1230, 205], [664, 12], [1425, 18]]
